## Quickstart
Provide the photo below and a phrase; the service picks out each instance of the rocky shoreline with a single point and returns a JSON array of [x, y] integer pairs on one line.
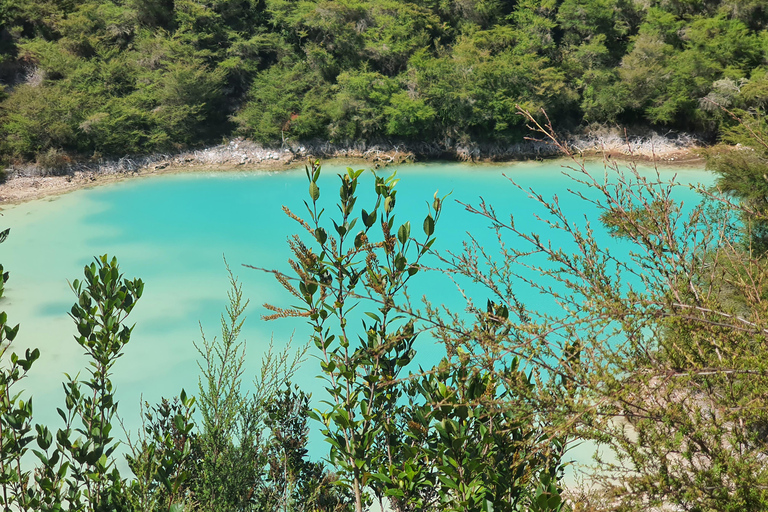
[[30, 181]]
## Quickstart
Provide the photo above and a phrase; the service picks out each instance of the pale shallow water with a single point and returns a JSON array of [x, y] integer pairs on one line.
[[173, 231]]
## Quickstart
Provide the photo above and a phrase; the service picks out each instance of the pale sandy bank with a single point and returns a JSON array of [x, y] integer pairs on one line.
[[25, 183]]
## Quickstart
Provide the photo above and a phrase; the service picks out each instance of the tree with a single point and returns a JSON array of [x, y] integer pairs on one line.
[[246, 450], [16, 418], [81, 471], [741, 172], [76, 466], [409, 437], [659, 355]]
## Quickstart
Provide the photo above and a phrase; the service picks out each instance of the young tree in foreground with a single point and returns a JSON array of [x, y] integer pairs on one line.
[[455, 437], [81, 469], [77, 468], [16, 414], [247, 452]]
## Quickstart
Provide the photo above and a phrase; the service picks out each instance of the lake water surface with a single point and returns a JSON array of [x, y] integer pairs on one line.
[[174, 230]]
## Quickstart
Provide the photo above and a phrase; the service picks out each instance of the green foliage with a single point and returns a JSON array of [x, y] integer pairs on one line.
[[362, 403], [77, 468], [292, 481], [15, 423], [16, 417], [160, 457], [358, 111], [247, 451], [409, 117], [283, 100], [741, 173], [40, 119], [229, 446], [657, 356], [81, 471], [448, 438], [477, 444], [110, 78]]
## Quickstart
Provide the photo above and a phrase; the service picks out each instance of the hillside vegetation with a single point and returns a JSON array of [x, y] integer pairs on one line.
[[103, 77]]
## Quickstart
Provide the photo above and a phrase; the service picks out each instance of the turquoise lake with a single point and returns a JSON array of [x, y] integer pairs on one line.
[[174, 230]]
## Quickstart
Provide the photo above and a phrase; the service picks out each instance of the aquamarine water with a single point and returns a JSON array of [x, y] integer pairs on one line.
[[173, 231]]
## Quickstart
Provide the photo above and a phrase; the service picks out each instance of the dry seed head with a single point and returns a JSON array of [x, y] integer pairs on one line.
[[283, 313], [389, 244], [371, 261], [306, 257], [297, 219]]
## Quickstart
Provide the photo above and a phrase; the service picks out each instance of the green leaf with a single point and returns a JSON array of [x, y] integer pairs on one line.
[[429, 225], [320, 235], [389, 204], [314, 191], [400, 262], [404, 232], [369, 219]]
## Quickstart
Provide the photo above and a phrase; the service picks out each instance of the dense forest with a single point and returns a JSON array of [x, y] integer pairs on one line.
[[113, 77]]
